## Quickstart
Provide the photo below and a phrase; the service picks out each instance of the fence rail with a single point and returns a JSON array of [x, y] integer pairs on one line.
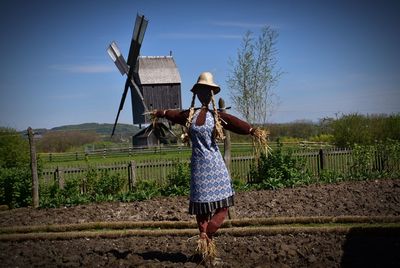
[[336, 160], [132, 151], [140, 170]]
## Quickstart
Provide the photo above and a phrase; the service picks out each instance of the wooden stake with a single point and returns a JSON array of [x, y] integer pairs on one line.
[[227, 154], [227, 141], [35, 180]]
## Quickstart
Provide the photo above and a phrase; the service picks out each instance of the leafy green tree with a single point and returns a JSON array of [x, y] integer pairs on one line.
[[352, 129], [14, 149], [15, 176]]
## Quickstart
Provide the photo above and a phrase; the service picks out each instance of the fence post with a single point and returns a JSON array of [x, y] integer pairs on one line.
[[35, 180], [321, 161], [227, 141], [60, 178], [131, 175], [227, 154]]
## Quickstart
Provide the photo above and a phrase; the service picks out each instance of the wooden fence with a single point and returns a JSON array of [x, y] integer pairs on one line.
[[135, 171], [140, 150], [335, 160]]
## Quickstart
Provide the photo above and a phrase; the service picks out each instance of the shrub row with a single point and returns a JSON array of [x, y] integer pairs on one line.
[[277, 170]]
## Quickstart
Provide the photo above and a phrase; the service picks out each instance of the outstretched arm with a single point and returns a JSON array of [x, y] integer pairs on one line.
[[175, 116], [235, 125], [238, 126]]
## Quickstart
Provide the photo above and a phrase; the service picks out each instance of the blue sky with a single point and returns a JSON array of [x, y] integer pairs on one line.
[[337, 56]]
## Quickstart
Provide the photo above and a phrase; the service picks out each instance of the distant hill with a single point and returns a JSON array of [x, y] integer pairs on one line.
[[125, 130], [101, 129]]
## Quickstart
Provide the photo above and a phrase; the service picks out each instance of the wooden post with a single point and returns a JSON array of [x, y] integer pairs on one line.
[[35, 180], [227, 141], [321, 161], [60, 178], [129, 177], [132, 175], [227, 154]]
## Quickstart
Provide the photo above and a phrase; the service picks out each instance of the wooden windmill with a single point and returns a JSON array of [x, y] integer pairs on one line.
[[154, 83]]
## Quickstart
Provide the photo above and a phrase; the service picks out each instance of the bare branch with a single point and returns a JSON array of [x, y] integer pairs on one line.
[[254, 75]]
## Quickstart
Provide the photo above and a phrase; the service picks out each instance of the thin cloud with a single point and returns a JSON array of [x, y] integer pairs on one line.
[[199, 36], [94, 68], [245, 25], [237, 24]]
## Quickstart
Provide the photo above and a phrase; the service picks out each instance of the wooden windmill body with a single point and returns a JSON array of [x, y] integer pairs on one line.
[[154, 82]]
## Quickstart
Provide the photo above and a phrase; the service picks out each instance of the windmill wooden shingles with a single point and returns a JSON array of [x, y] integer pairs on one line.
[[160, 83]]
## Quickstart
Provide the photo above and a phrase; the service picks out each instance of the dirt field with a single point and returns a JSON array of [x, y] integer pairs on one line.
[[372, 198]]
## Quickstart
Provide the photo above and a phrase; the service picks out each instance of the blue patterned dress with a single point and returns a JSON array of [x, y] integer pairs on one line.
[[210, 186]]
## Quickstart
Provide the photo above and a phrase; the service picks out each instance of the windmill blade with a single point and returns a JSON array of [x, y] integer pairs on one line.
[[134, 86], [136, 42], [121, 106], [116, 56]]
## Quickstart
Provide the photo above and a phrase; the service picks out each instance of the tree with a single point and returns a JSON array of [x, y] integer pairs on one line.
[[351, 129], [254, 75], [15, 175], [61, 141], [14, 149]]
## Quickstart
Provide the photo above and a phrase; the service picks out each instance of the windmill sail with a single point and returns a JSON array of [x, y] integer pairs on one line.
[[121, 106], [134, 51], [136, 42]]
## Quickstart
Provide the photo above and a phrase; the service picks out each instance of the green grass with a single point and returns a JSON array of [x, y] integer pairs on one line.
[[156, 153], [71, 159]]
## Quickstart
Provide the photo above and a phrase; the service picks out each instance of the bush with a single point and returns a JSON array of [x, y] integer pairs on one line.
[[376, 161], [178, 183], [388, 158], [328, 138], [144, 190], [96, 186], [241, 186], [279, 170], [361, 167], [353, 129], [109, 184], [15, 174], [15, 186], [14, 149], [331, 176], [103, 186]]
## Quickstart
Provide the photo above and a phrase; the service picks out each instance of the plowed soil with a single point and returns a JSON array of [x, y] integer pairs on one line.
[[365, 198]]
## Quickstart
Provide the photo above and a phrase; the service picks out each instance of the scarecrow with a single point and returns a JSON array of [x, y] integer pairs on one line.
[[211, 191]]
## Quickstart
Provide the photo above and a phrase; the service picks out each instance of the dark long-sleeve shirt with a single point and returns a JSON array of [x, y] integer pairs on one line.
[[228, 121]]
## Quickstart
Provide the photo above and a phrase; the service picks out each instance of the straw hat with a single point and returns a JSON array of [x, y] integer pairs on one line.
[[206, 79]]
